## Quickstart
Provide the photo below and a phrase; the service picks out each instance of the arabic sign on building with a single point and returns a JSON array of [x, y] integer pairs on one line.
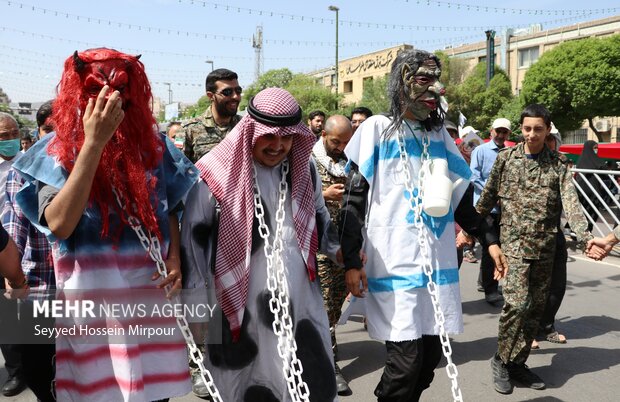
[[373, 63]]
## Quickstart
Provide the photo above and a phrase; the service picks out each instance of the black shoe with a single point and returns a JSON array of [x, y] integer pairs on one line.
[[13, 386], [521, 373], [342, 386], [494, 298], [501, 378], [199, 388]]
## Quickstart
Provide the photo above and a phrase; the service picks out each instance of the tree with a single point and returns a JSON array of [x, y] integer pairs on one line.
[[197, 109], [375, 96], [512, 111], [479, 103], [312, 96], [273, 78], [453, 72], [577, 81], [453, 69]]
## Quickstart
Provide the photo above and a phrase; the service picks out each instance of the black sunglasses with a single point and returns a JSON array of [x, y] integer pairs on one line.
[[229, 91]]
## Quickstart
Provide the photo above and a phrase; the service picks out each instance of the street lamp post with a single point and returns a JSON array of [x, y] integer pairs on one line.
[[336, 9], [169, 93], [210, 62]]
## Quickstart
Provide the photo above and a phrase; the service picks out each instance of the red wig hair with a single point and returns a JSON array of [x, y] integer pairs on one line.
[[134, 150]]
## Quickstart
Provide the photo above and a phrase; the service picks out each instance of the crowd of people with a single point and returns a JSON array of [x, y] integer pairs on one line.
[[274, 222]]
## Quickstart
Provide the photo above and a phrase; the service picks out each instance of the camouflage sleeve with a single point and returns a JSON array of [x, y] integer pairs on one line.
[[184, 135], [572, 206], [489, 196]]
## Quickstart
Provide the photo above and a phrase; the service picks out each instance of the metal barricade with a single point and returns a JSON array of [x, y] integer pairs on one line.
[[604, 202]]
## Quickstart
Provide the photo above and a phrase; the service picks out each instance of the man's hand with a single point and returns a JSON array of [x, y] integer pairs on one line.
[[595, 252], [14, 294], [598, 248], [102, 117], [463, 240], [352, 278], [605, 243], [334, 192], [363, 257], [501, 265], [339, 257], [173, 267]]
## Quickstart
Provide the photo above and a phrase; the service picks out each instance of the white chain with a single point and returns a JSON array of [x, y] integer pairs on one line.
[[278, 287], [150, 243], [415, 205]]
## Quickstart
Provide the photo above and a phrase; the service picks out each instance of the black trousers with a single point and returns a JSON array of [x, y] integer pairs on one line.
[[487, 266], [408, 369]]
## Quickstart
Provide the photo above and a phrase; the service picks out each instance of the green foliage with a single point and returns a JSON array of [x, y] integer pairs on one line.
[[511, 110], [374, 96], [195, 110], [577, 80], [273, 78], [453, 72], [453, 69], [312, 96], [478, 103], [161, 117]]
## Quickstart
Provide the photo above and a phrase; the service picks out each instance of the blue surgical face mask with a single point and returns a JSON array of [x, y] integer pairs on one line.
[[9, 148]]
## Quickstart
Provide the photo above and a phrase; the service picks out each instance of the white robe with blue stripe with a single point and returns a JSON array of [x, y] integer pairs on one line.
[[398, 304]]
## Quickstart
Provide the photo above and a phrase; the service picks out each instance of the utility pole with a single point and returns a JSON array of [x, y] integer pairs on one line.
[[490, 55], [336, 9], [257, 44]]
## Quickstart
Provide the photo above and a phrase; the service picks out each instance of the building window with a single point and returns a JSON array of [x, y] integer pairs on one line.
[[333, 79], [528, 56], [348, 87], [367, 81], [482, 59], [576, 136]]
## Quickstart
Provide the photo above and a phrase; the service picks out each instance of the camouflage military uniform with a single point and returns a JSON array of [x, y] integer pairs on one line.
[[201, 134], [531, 193], [331, 276]]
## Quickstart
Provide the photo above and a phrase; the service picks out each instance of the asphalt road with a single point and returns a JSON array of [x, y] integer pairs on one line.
[[587, 368]]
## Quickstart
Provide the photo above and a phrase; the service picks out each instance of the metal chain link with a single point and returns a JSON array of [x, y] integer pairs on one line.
[[415, 204], [151, 244], [277, 285]]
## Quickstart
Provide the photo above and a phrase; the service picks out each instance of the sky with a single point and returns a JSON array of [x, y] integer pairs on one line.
[[176, 38]]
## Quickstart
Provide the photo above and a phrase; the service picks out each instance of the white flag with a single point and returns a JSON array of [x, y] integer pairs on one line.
[[462, 120]]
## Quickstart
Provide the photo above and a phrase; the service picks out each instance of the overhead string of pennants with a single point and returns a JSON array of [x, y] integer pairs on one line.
[[572, 15]]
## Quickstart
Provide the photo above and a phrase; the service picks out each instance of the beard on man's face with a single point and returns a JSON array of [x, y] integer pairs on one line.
[[226, 108], [335, 153], [332, 152]]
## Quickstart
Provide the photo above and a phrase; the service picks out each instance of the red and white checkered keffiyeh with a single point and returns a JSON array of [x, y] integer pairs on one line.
[[227, 170]]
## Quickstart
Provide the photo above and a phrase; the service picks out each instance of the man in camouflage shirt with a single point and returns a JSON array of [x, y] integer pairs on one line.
[[201, 134], [531, 183], [330, 161]]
